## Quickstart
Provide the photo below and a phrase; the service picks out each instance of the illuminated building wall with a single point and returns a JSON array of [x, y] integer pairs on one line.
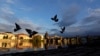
[[22, 36], [7, 36], [39, 36], [23, 44], [7, 44]]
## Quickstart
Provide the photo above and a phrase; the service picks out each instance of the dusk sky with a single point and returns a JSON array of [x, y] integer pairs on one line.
[[81, 17]]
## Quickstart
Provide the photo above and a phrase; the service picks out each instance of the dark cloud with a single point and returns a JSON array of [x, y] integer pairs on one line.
[[69, 16], [80, 30], [54, 30], [6, 28], [94, 16], [91, 20], [90, 25]]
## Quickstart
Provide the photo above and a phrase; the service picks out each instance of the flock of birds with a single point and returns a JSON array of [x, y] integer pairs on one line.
[[30, 32], [55, 19]]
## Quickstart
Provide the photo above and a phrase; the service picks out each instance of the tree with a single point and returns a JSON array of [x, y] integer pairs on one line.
[[46, 35]]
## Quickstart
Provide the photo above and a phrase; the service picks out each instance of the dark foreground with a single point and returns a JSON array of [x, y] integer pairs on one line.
[[72, 51]]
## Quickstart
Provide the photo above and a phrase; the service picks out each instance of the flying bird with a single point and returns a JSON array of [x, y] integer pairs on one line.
[[55, 18], [17, 27], [62, 29], [30, 32]]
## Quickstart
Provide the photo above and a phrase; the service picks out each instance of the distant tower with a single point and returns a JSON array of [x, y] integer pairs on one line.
[[46, 35]]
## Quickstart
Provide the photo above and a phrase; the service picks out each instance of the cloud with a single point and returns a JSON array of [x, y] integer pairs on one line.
[[94, 12], [90, 25], [10, 27], [26, 9], [93, 18], [8, 16], [5, 28], [69, 16], [7, 13], [6, 10], [29, 25], [80, 30], [24, 24], [92, 22], [54, 30], [10, 1], [90, 1]]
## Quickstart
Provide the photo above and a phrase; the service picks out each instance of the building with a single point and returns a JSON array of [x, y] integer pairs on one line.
[[7, 40], [23, 44], [38, 36], [7, 35], [22, 36], [7, 44]]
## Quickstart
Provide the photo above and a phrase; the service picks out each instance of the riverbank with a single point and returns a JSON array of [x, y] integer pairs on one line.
[[72, 51]]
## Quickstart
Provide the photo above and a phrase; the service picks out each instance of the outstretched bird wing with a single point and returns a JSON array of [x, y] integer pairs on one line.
[[33, 33], [55, 16], [17, 26], [63, 28], [28, 31], [52, 19], [56, 20], [61, 31]]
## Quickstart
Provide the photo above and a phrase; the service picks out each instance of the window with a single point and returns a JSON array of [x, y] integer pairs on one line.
[[4, 44], [21, 37], [5, 37]]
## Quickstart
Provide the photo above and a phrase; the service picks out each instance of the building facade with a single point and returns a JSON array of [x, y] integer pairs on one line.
[[7, 35], [22, 36]]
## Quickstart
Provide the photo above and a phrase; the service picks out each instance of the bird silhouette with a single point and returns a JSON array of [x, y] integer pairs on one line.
[[62, 29], [55, 18], [30, 32], [17, 27]]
